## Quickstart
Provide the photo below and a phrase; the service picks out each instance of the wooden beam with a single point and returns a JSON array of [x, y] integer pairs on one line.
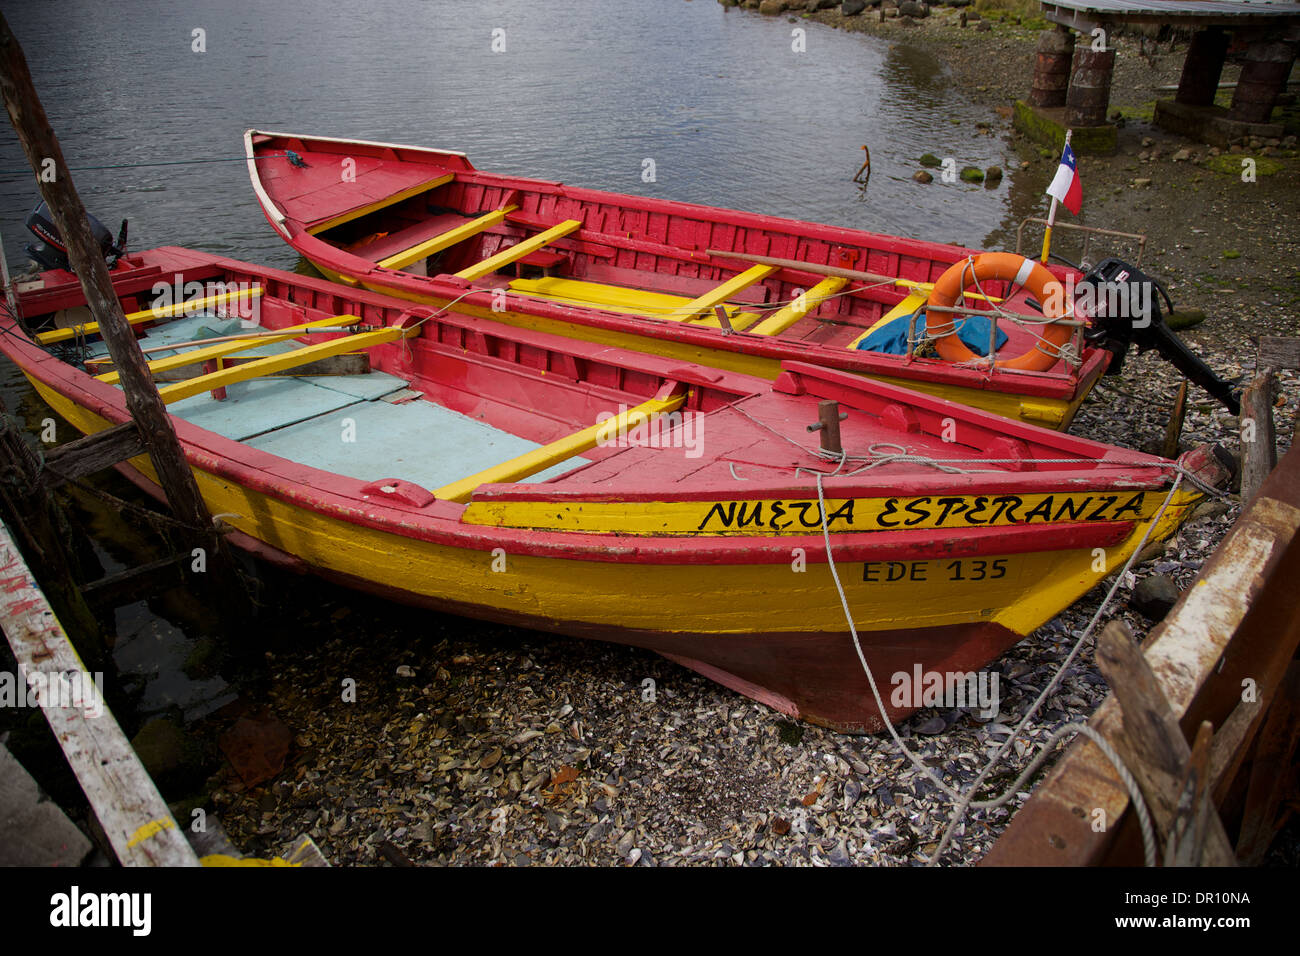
[[93, 453], [278, 363], [1174, 430], [1270, 768], [1152, 744], [519, 250], [1258, 442], [148, 315], [1278, 351], [703, 305], [135, 819], [445, 240], [235, 345], [539, 459], [796, 310], [43, 153]]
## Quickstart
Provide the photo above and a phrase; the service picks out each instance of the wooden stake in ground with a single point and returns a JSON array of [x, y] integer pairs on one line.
[[142, 399], [1258, 442]]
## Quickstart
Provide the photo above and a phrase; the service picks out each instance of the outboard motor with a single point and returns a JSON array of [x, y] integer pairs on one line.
[[52, 252], [1123, 310]]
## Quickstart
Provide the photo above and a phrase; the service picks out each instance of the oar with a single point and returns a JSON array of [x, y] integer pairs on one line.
[[820, 270]]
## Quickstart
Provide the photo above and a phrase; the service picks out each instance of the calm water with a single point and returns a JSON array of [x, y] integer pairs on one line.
[[584, 92]]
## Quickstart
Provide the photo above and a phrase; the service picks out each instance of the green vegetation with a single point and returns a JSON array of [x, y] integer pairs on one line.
[[1231, 254], [1230, 164], [972, 174]]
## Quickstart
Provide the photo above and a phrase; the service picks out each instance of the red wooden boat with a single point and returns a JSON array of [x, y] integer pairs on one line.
[[518, 476], [666, 277]]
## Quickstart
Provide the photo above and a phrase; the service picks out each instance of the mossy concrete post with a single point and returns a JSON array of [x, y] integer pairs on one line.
[[1263, 78], [1089, 94], [1052, 64], [1202, 68]]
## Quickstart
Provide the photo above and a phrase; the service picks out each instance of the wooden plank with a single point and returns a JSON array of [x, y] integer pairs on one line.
[[94, 453], [445, 240], [278, 363], [1174, 430], [352, 363], [792, 313], [1240, 621], [237, 345], [1152, 744], [703, 305], [1258, 441], [149, 315], [1195, 814], [1278, 351], [518, 251], [133, 815], [539, 459], [1270, 770]]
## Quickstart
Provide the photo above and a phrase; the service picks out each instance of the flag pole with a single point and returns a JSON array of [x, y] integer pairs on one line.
[[1051, 214]]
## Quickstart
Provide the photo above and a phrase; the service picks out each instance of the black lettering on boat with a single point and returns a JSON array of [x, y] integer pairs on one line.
[[778, 511], [1134, 505], [1076, 508], [891, 506], [751, 512], [949, 504], [726, 512], [803, 507], [981, 503], [1008, 504], [918, 510], [1106, 502], [843, 513], [1042, 510]]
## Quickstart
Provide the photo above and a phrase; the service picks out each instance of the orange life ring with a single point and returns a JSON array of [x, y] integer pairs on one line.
[[1020, 272]]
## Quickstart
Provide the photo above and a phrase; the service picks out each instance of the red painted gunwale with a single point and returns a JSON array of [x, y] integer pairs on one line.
[[548, 202]]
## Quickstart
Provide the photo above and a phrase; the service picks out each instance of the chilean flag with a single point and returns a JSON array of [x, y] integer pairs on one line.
[[1065, 185]]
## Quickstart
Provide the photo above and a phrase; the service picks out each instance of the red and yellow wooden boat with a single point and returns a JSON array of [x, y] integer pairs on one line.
[[513, 475], [731, 290]]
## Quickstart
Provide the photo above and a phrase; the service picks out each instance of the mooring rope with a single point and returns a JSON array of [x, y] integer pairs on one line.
[[967, 800]]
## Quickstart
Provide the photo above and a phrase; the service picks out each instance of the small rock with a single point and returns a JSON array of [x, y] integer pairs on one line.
[[405, 670], [972, 174], [1141, 183], [1154, 596], [930, 161], [935, 725], [910, 8], [851, 8], [921, 176], [983, 26], [992, 175], [1147, 142], [1182, 156], [771, 7]]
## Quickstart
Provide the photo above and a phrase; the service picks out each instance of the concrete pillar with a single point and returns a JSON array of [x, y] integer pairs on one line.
[[1089, 95], [1202, 67], [1052, 68], [1263, 77]]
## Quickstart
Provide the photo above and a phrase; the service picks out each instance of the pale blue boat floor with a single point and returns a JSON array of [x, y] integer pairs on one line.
[[341, 423]]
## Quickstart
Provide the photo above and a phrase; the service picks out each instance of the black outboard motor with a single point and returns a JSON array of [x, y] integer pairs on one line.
[[1123, 310], [52, 252]]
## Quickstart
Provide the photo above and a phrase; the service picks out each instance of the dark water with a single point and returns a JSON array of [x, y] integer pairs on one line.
[[584, 92]]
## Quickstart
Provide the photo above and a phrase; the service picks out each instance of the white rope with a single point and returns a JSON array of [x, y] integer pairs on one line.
[[966, 800]]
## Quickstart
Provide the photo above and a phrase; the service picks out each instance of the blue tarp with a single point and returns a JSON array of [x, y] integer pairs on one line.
[[892, 338]]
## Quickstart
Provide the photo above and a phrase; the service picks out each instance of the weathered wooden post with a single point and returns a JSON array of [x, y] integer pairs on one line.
[[1089, 94], [143, 401]]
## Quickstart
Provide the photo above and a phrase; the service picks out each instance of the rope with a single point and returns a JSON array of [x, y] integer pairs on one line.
[[967, 800]]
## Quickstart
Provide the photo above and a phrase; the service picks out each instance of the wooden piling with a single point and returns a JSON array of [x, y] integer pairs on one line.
[[1174, 430], [143, 401], [1258, 447], [1203, 67]]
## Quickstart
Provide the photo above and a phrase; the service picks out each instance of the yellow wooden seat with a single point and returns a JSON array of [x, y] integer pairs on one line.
[[519, 250], [796, 310], [539, 459], [701, 307], [909, 305], [148, 315], [445, 240]]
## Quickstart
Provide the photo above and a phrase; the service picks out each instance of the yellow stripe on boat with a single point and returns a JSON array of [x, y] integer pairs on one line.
[[278, 363], [229, 348], [147, 315], [519, 250], [394, 199], [769, 517], [630, 594], [446, 239], [801, 306], [539, 459], [909, 305]]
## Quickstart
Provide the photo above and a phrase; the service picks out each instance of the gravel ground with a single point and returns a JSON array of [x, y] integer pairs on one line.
[[473, 744]]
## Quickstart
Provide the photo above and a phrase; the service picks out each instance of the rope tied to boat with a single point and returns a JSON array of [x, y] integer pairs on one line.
[[967, 800]]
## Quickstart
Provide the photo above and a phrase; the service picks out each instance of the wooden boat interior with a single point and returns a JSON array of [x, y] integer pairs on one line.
[[544, 240]]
